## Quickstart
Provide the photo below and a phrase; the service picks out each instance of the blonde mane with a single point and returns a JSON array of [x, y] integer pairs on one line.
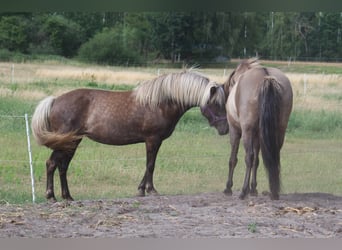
[[185, 88]]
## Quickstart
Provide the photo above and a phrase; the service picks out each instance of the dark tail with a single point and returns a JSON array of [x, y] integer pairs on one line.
[[41, 129], [269, 101]]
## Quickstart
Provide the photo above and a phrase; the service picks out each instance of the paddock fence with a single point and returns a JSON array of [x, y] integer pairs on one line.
[[22, 162]]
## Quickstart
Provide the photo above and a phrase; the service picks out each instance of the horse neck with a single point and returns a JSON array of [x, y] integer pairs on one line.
[[172, 113]]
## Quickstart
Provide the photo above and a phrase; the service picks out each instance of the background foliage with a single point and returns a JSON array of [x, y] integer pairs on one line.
[[188, 37]]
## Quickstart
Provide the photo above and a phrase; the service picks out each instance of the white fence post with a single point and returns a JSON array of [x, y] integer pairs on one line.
[[12, 73], [305, 84], [30, 157]]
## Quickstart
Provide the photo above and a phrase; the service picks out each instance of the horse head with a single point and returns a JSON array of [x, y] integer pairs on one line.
[[214, 110]]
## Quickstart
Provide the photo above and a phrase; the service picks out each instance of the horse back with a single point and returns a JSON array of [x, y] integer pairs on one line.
[[243, 102], [112, 117], [75, 110]]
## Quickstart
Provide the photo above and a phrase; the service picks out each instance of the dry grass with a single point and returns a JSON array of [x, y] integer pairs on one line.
[[34, 72], [314, 91], [31, 72]]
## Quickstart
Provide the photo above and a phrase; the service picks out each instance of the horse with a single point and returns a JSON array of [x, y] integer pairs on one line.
[[148, 113], [258, 106]]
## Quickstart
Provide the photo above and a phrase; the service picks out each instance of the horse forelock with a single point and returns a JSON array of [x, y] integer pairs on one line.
[[185, 88], [219, 96]]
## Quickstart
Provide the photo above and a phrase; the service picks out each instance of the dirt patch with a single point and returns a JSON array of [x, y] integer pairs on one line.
[[212, 215]]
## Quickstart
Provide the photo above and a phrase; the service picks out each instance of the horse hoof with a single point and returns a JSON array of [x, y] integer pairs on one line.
[[153, 192], [274, 196], [242, 196], [254, 193], [141, 193], [52, 200], [228, 192]]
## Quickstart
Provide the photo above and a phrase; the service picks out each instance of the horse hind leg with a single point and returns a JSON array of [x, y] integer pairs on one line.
[[51, 166], [249, 161], [254, 191], [60, 159], [63, 168]]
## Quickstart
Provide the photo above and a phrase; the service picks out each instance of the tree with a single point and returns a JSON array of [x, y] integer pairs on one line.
[[65, 36], [108, 47], [13, 33], [329, 33], [137, 33]]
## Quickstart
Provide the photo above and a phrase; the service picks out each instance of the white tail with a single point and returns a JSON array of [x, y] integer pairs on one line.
[[40, 119]]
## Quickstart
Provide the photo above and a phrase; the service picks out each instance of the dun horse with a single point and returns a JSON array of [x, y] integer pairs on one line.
[[148, 114], [258, 106]]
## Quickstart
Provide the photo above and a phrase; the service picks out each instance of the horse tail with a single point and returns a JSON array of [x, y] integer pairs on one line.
[[42, 133], [270, 141]]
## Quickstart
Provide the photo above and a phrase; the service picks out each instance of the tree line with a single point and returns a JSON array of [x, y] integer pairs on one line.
[[137, 37]]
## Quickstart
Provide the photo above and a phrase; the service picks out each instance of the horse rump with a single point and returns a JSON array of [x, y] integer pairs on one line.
[[42, 133]]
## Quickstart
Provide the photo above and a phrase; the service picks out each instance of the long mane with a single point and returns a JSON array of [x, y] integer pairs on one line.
[[187, 88]]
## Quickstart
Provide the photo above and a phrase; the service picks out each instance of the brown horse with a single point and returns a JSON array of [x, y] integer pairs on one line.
[[258, 106], [149, 114]]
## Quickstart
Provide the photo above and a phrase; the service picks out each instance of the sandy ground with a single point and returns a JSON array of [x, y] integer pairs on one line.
[[211, 215]]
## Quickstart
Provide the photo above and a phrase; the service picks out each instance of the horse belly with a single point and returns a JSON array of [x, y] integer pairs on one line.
[[114, 135]]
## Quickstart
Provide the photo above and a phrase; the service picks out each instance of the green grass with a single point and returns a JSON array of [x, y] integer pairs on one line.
[[193, 160], [315, 124], [307, 68], [333, 96]]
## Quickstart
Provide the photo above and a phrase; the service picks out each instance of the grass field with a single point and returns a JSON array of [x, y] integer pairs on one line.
[[193, 160]]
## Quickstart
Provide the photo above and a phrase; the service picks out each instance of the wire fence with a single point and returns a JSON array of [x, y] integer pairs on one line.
[[18, 154], [15, 132], [26, 118]]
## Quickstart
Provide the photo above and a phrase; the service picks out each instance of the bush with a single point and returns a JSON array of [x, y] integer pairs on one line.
[[5, 55], [13, 33], [65, 36], [108, 47]]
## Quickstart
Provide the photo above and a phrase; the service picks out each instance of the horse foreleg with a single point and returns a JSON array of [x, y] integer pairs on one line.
[[234, 141], [152, 148]]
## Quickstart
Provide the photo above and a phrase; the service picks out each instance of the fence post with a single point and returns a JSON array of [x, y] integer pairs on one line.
[[305, 84], [12, 73], [30, 157]]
